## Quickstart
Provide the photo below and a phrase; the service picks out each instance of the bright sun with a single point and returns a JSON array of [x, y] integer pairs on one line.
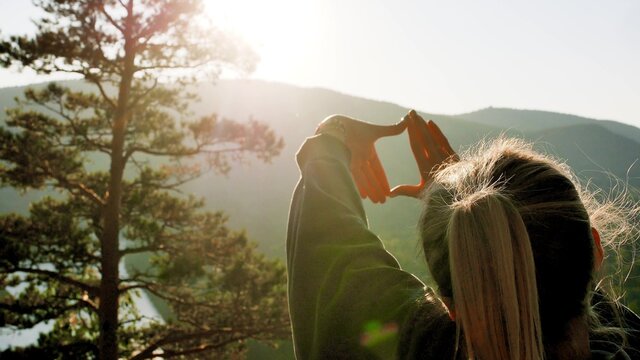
[[262, 23], [276, 29]]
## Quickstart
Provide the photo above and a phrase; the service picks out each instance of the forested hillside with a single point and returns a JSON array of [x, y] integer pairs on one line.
[[256, 196]]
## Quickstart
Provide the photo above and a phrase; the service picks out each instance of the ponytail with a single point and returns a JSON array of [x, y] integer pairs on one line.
[[493, 278]]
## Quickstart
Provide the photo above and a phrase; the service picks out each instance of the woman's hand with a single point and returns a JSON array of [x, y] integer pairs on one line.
[[360, 138], [430, 148]]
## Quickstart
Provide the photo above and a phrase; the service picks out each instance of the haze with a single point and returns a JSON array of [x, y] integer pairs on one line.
[[578, 57]]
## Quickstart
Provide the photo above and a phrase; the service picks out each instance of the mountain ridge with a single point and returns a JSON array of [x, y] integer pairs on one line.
[[294, 112], [521, 119], [506, 117]]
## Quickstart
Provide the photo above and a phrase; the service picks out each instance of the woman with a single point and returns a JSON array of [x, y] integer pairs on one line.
[[506, 237]]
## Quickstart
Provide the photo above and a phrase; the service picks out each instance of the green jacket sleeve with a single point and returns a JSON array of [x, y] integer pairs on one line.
[[348, 296]]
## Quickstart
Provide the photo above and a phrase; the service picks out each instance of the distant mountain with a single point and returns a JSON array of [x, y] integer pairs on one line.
[[294, 113], [256, 196], [590, 147], [536, 120], [601, 156]]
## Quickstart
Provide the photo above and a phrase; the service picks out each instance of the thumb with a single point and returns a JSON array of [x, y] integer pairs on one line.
[[390, 130]]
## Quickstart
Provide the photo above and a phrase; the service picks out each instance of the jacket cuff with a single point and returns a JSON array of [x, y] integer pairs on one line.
[[322, 146]]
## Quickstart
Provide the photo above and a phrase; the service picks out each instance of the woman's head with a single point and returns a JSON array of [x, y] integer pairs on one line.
[[508, 239]]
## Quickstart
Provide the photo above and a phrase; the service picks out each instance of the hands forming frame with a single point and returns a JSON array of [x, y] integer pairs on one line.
[[429, 146]]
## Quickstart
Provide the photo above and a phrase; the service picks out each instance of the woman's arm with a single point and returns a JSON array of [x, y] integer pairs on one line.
[[347, 294]]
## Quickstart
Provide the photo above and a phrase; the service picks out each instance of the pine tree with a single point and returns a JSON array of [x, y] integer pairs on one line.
[[114, 157]]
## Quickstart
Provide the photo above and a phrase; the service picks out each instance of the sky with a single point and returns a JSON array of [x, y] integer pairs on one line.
[[448, 57]]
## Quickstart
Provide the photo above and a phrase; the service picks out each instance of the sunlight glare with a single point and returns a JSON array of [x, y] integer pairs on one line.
[[275, 29]]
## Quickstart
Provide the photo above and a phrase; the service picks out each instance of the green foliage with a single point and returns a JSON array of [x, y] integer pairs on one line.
[[59, 263]]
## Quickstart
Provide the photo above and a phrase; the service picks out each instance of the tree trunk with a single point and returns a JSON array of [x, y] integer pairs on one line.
[[110, 256]]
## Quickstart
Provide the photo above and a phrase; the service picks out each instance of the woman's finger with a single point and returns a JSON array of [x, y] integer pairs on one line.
[[435, 142], [412, 114], [418, 147], [360, 180], [379, 131], [441, 139], [377, 195], [429, 143], [374, 163]]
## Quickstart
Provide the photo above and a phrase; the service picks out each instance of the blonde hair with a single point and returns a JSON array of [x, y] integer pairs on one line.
[[507, 236]]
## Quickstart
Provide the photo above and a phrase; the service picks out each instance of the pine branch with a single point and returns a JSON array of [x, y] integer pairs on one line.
[[127, 288], [166, 186], [169, 339], [136, 250], [111, 20], [30, 309], [151, 287], [137, 100], [74, 126], [71, 185], [90, 289], [94, 80], [52, 312], [199, 149]]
